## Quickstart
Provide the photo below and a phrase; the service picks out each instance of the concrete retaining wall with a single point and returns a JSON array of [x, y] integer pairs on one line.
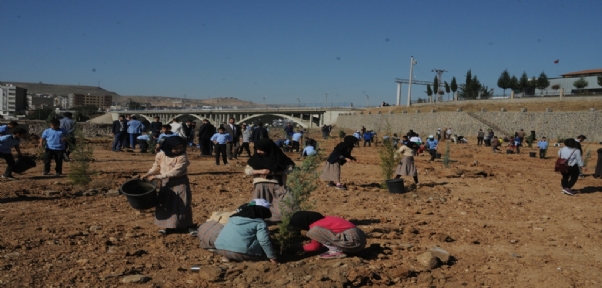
[[553, 125]]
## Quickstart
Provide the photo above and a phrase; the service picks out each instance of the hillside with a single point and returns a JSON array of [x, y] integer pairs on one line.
[[59, 89]]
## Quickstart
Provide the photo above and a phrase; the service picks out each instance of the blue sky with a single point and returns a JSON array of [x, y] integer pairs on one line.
[[284, 50]]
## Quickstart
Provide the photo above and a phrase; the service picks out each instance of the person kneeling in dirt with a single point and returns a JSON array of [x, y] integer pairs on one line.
[[269, 166], [174, 210], [143, 141], [246, 236], [7, 142], [495, 143], [338, 235]]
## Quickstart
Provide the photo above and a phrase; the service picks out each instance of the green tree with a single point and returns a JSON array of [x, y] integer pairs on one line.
[[504, 81], [446, 89], [600, 80], [523, 83], [133, 105], [532, 85], [542, 82], [514, 83], [453, 86], [470, 89], [40, 114], [429, 92], [436, 86], [580, 84]]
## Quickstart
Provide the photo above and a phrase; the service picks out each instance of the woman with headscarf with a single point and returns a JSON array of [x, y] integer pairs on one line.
[[173, 211], [269, 166], [406, 166], [338, 235], [246, 236], [339, 156], [574, 162]]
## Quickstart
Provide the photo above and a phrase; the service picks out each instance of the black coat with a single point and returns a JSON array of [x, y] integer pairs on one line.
[[155, 127], [117, 126], [206, 131], [259, 133], [186, 130]]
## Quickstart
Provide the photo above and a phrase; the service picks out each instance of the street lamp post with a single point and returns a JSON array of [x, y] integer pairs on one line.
[[326, 103], [266, 106], [299, 100], [367, 100], [412, 63]]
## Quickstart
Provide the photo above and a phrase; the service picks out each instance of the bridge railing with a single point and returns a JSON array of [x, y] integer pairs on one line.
[[271, 107]]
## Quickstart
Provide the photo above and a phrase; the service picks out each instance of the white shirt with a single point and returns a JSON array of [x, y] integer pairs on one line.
[[176, 128], [572, 154]]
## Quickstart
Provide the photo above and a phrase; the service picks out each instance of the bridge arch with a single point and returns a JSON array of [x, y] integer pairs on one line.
[[193, 115], [148, 118], [294, 119]]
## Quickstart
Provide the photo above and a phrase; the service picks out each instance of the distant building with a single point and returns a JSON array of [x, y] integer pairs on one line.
[[566, 82], [13, 99], [101, 101], [38, 102]]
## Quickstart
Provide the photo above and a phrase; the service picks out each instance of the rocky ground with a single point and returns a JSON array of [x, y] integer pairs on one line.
[[487, 221]]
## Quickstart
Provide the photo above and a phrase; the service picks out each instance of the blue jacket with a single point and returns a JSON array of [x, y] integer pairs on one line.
[[247, 236], [432, 144], [135, 127]]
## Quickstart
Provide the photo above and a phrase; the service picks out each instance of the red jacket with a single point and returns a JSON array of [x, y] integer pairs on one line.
[[332, 223]]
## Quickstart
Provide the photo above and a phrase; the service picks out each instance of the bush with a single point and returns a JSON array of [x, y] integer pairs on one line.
[[446, 158], [300, 183], [386, 153], [80, 159]]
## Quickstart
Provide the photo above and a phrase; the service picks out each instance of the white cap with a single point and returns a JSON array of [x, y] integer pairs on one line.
[[431, 136]]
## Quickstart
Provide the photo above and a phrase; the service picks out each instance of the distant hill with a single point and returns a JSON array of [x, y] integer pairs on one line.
[[58, 89], [64, 90]]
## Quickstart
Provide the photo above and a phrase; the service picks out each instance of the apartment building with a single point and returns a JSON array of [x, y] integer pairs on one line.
[[101, 101], [13, 99]]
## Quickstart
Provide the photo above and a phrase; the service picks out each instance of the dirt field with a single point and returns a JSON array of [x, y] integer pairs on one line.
[[502, 218]]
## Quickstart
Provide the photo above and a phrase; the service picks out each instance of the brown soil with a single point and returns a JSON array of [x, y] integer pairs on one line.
[[502, 218]]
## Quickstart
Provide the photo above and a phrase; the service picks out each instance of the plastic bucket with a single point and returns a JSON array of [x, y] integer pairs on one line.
[[532, 154], [141, 194], [395, 185], [23, 164], [509, 151]]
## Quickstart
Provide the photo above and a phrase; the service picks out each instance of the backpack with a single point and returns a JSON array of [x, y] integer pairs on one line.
[[562, 165]]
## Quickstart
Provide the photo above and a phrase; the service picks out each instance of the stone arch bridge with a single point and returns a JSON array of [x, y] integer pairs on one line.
[[303, 116]]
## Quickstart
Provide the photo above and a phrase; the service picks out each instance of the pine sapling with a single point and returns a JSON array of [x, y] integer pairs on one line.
[[446, 158], [301, 181], [80, 159]]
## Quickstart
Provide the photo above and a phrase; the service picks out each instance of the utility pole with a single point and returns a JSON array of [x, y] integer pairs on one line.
[[412, 63], [326, 100], [439, 73], [367, 100]]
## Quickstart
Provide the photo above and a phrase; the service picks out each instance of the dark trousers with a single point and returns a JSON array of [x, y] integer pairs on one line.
[[143, 146], [295, 146], [433, 153], [369, 142], [542, 153], [570, 177], [231, 148], [133, 139], [206, 145], [57, 155], [119, 141], [10, 162], [245, 146], [479, 141], [487, 142], [518, 148], [220, 149]]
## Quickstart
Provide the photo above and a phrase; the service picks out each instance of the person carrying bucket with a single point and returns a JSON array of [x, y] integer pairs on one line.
[[7, 142], [174, 210]]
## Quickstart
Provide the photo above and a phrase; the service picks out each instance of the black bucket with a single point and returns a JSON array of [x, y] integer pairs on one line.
[[395, 185], [509, 151], [141, 194], [532, 154], [438, 155], [23, 164]]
